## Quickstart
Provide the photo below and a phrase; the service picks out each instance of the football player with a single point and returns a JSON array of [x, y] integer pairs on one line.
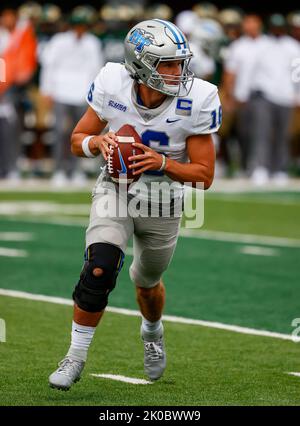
[[175, 114]]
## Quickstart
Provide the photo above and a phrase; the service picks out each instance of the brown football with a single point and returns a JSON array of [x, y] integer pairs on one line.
[[117, 162]]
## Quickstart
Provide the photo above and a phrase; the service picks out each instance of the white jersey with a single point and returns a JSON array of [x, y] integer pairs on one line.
[[273, 70], [241, 61], [68, 65], [166, 128]]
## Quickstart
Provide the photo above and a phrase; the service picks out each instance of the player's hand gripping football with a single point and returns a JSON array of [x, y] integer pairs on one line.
[[103, 143], [150, 160]]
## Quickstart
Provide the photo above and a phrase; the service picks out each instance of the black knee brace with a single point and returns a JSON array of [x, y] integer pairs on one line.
[[91, 292]]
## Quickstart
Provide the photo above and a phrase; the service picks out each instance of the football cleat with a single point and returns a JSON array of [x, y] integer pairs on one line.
[[67, 373], [155, 359]]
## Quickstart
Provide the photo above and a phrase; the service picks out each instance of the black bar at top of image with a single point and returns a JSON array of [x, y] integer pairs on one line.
[[262, 7]]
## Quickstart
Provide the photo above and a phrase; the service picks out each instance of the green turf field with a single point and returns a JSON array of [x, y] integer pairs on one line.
[[205, 366], [230, 281]]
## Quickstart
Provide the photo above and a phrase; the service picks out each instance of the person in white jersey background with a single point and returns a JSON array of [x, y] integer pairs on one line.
[[175, 114], [68, 63], [237, 80], [273, 96]]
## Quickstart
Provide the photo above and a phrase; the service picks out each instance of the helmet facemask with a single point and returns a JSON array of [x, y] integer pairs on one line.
[[171, 85]]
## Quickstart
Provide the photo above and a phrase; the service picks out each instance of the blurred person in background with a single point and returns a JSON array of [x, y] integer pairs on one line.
[[209, 34], [158, 11], [237, 78], [231, 20], [69, 62], [206, 10], [18, 50], [39, 118], [114, 30], [49, 24], [117, 18], [273, 97], [293, 19], [30, 11], [205, 35], [202, 64]]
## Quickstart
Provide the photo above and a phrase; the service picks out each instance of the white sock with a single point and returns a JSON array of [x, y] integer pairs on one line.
[[82, 337], [152, 329]]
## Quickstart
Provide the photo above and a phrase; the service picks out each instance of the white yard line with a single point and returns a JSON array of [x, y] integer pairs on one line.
[[168, 318], [124, 379], [243, 198], [184, 232], [42, 207], [53, 220], [9, 252], [2, 331], [16, 236], [240, 238], [220, 185], [294, 374], [258, 251]]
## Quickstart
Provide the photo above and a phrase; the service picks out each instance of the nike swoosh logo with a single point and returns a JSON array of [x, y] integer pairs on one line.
[[172, 121], [123, 171], [82, 332]]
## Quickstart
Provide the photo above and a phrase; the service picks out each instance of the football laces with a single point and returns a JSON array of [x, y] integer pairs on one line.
[[110, 162]]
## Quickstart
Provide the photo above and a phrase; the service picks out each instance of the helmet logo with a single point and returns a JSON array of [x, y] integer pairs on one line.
[[140, 39]]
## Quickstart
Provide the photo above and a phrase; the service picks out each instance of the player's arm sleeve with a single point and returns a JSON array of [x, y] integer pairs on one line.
[[96, 95], [209, 117]]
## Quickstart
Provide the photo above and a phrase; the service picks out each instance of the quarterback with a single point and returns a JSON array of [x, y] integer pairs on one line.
[[175, 115]]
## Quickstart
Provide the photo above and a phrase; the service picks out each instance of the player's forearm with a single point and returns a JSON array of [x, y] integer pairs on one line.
[[76, 144], [190, 172]]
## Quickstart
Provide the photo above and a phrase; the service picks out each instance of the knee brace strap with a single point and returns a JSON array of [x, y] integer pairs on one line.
[[91, 292]]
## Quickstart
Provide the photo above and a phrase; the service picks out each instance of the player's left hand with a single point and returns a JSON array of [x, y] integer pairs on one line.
[[150, 160]]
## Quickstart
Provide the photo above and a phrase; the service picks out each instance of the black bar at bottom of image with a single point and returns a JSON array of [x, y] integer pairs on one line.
[[133, 415]]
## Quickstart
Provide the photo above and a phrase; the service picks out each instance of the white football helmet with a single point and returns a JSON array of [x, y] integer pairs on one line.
[[209, 34], [147, 45]]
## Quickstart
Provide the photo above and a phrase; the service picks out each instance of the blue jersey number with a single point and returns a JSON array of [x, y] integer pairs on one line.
[[155, 139], [90, 94], [216, 116]]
